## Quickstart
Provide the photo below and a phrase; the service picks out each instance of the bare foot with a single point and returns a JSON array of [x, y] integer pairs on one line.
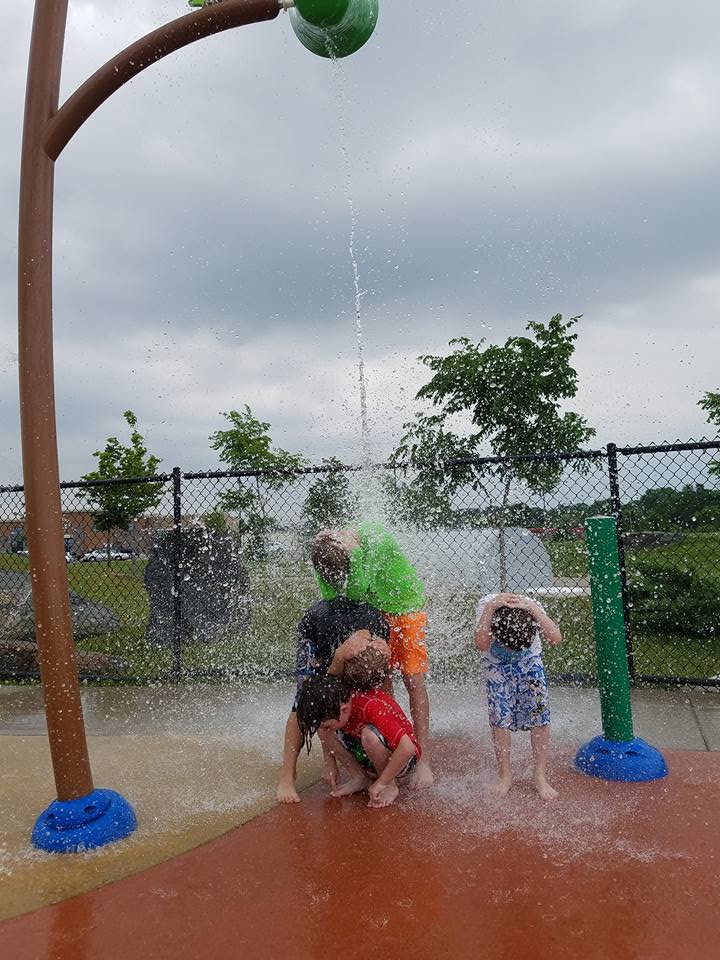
[[286, 792], [422, 776], [354, 785], [544, 789], [502, 787], [383, 796]]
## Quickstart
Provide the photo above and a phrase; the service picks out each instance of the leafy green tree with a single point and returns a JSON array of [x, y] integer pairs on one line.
[[329, 502], [710, 403], [694, 507], [246, 447], [512, 395], [116, 506]]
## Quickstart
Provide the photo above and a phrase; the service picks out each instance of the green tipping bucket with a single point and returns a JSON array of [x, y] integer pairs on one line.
[[334, 28]]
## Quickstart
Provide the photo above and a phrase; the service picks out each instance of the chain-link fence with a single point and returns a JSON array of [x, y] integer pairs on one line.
[[212, 579]]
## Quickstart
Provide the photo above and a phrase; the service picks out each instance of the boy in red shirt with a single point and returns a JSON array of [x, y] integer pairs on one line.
[[378, 739]]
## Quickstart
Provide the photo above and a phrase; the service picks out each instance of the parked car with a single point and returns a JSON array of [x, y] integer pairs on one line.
[[103, 555], [68, 556]]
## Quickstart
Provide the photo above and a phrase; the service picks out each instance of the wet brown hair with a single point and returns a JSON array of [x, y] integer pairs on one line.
[[513, 627], [330, 559], [320, 699], [367, 669]]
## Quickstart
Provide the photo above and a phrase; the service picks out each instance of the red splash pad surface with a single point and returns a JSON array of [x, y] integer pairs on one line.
[[607, 870]]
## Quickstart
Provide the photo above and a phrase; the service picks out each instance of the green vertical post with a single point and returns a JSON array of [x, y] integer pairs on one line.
[[609, 621]]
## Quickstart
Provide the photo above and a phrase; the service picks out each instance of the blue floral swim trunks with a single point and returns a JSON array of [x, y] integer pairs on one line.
[[517, 691]]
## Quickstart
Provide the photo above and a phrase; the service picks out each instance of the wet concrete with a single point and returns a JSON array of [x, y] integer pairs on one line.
[[606, 870], [678, 719], [198, 761]]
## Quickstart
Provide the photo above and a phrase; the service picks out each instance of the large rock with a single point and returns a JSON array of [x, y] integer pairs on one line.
[[214, 585], [468, 559], [18, 646], [17, 619], [21, 659], [458, 566]]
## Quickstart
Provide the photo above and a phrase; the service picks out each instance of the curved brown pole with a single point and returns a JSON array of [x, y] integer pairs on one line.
[[142, 54], [48, 570], [46, 546]]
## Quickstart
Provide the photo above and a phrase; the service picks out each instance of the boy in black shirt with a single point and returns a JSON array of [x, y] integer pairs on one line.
[[323, 644]]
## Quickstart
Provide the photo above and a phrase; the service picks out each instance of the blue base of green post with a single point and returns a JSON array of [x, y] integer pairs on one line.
[[633, 761], [70, 826]]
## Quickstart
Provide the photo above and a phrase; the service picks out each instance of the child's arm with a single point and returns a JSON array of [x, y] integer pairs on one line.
[[330, 776], [483, 631], [547, 627], [354, 645], [399, 759], [286, 792]]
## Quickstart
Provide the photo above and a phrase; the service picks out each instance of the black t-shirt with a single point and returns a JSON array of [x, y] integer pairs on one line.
[[326, 625]]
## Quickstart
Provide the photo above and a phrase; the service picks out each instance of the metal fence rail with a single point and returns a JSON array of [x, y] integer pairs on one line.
[[211, 581]]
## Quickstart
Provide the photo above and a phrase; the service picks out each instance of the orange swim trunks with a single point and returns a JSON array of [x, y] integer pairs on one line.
[[407, 641]]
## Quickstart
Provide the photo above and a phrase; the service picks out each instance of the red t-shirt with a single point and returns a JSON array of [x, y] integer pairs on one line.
[[379, 709]]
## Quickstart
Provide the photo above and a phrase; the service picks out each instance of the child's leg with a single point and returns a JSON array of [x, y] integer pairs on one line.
[[502, 740], [420, 713], [379, 754], [358, 777], [540, 739], [286, 792], [409, 652]]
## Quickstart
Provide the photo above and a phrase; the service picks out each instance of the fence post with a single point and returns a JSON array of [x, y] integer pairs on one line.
[[177, 575], [616, 511]]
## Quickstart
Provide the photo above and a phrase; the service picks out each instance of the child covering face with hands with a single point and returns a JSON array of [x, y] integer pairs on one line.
[[508, 631]]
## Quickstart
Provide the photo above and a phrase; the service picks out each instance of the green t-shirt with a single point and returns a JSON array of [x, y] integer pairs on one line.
[[380, 574]]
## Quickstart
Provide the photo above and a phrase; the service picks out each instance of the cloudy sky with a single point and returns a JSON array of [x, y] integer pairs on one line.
[[505, 161]]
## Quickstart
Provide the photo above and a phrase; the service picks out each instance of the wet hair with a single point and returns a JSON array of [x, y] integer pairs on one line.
[[513, 627], [320, 699], [367, 669], [330, 559]]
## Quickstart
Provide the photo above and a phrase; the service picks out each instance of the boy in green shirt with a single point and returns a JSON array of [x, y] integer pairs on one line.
[[366, 564]]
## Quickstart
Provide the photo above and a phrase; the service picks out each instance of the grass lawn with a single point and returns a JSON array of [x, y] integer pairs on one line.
[[281, 590], [671, 655]]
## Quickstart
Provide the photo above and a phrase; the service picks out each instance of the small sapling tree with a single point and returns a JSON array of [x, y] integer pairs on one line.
[[116, 506], [512, 395], [246, 447], [710, 403], [329, 501]]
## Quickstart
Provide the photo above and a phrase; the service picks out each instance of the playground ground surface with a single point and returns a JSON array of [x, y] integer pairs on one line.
[[605, 870]]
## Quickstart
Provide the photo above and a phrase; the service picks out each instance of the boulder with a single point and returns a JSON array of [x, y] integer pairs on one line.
[[214, 586], [17, 619]]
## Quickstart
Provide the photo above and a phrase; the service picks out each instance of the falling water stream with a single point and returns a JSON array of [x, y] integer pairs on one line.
[[343, 112]]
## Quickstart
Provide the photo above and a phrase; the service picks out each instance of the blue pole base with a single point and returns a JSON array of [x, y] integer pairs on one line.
[[633, 761], [70, 826]]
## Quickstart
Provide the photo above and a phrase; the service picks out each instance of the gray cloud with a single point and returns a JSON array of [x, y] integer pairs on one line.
[[505, 163]]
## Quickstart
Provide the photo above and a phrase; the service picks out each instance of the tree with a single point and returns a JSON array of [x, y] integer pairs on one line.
[[329, 501], [246, 447], [512, 394], [710, 403], [117, 505]]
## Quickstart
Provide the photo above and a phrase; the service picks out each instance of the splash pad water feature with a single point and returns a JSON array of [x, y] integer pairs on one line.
[[86, 817], [452, 872]]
